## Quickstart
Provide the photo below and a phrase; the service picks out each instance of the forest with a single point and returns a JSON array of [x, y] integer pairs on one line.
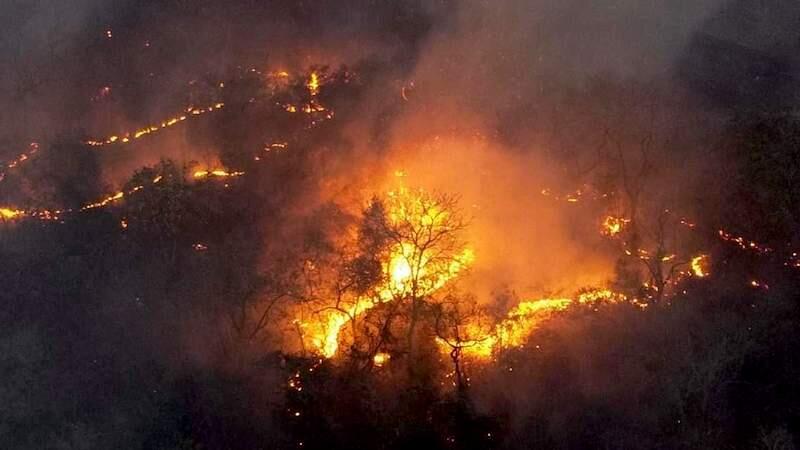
[[393, 225]]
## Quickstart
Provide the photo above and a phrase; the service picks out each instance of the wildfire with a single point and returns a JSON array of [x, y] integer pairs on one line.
[[409, 269], [33, 148], [594, 296], [522, 320], [106, 201], [11, 213], [612, 226], [313, 84], [586, 191], [167, 123], [219, 173], [324, 333], [380, 359], [743, 243], [699, 265], [409, 263], [313, 106]]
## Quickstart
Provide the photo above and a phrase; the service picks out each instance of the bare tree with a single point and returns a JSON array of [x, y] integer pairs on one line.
[[461, 325]]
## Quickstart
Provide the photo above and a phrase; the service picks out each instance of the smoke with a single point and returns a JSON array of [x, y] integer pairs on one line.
[[514, 106], [107, 67], [501, 106], [508, 52], [493, 101]]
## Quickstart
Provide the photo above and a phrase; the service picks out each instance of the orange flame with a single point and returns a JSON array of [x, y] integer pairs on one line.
[[699, 265]]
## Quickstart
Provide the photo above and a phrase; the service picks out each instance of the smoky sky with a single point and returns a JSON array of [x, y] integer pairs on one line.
[[58, 55], [55, 55]]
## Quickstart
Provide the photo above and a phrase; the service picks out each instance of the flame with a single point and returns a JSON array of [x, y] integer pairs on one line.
[[313, 106], [525, 317], [403, 269], [612, 226], [743, 243], [313, 84], [153, 128], [513, 331], [55, 214], [522, 320], [575, 196], [699, 265], [219, 173], [33, 148], [407, 270], [11, 213], [105, 201], [594, 296], [380, 359], [324, 334]]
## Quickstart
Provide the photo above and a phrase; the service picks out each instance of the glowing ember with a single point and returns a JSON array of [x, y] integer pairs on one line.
[[11, 213], [613, 226], [276, 146], [380, 359], [55, 214], [743, 243], [313, 84], [219, 173], [105, 201], [699, 265], [576, 195], [594, 296], [138, 134], [33, 148]]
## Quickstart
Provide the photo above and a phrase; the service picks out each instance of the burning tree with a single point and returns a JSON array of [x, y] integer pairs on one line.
[[407, 247], [426, 250]]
